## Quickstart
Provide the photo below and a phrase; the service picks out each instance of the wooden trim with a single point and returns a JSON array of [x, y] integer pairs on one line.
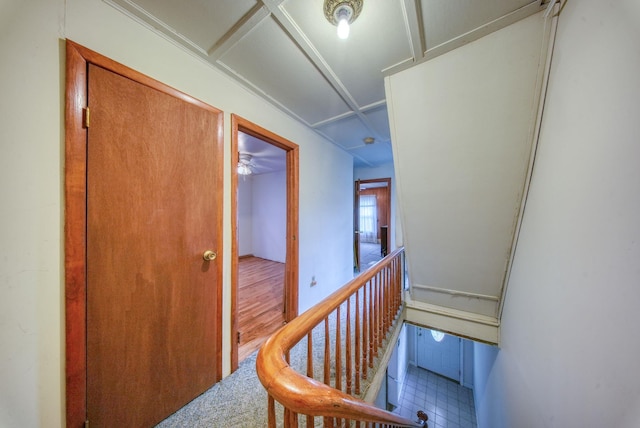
[[78, 59], [480, 328], [75, 237], [356, 226], [234, 246], [455, 292], [291, 263], [377, 180]]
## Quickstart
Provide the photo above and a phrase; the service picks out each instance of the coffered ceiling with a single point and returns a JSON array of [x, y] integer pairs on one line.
[[287, 52]]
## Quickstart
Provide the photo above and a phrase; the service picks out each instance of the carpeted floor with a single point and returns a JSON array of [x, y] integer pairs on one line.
[[239, 400], [369, 255]]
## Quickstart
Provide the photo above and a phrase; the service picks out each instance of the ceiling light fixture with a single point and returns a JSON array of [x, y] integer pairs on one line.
[[244, 164], [342, 13]]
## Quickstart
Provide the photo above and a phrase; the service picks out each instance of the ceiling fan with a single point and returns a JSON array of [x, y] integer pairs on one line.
[[245, 166]]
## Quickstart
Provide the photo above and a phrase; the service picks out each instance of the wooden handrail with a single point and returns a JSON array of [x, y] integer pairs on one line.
[[378, 296]]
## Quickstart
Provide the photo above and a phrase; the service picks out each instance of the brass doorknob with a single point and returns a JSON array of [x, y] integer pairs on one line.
[[209, 255]]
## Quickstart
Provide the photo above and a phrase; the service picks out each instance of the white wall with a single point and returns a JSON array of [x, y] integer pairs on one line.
[[403, 355], [488, 408], [381, 399], [269, 202], [384, 171], [570, 341], [467, 363], [326, 225], [31, 173], [412, 335], [31, 292]]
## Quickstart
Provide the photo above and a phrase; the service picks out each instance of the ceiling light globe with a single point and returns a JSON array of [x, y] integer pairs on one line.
[[343, 28], [342, 13]]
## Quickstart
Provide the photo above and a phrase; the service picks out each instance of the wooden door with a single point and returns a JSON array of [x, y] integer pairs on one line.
[[152, 300]]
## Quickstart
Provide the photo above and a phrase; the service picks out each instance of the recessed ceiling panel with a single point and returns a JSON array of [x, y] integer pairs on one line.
[[444, 20], [348, 132], [379, 120], [376, 154], [269, 59], [378, 39], [288, 52], [201, 21]]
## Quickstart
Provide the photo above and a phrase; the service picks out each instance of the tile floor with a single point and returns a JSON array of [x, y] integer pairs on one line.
[[447, 403]]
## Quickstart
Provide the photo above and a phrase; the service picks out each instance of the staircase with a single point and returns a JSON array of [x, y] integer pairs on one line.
[[322, 369], [348, 333]]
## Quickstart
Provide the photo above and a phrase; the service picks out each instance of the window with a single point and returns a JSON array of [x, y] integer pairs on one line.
[[437, 335], [368, 219]]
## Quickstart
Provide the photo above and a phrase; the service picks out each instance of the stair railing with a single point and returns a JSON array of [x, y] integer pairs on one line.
[[356, 319]]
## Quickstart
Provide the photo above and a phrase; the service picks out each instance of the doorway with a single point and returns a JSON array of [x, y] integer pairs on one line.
[[262, 208], [143, 219], [371, 213], [249, 143], [439, 353]]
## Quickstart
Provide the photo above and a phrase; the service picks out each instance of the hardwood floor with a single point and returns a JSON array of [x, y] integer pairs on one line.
[[260, 302]]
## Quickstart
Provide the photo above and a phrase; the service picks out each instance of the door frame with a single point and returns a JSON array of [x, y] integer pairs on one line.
[[356, 215], [291, 261], [75, 217], [356, 226]]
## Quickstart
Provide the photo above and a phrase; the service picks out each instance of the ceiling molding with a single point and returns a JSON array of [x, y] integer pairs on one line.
[[415, 33], [310, 50], [318, 60], [239, 31], [151, 22], [224, 44], [473, 35]]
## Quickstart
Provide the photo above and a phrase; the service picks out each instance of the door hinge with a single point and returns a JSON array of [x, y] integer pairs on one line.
[[85, 117], [86, 423], [238, 337]]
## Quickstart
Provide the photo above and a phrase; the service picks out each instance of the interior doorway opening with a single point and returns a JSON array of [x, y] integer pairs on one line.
[[262, 190], [372, 218], [264, 283]]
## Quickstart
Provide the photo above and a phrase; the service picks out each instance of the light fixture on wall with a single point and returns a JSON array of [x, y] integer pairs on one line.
[[342, 13], [244, 164]]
